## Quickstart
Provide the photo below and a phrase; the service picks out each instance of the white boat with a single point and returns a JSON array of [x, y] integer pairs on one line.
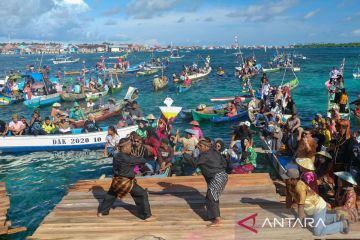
[[59, 142], [64, 59], [200, 75], [356, 74], [176, 55], [95, 96]]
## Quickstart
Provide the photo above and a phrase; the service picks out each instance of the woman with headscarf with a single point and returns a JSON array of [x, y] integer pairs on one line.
[[124, 182]]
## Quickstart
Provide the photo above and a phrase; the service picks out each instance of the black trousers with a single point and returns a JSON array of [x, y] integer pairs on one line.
[[212, 206], [139, 195]]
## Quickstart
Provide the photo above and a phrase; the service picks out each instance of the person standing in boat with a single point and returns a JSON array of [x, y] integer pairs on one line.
[[124, 182], [212, 166]]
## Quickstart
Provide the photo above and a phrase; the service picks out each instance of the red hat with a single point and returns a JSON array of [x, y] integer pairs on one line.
[[194, 123]]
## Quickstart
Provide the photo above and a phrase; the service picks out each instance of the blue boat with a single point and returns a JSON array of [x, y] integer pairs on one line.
[[44, 100], [241, 115], [182, 88]]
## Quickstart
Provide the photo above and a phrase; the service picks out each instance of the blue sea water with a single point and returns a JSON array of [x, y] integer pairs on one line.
[[36, 182]]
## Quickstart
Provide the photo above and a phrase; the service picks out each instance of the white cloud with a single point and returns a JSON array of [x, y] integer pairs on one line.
[[181, 20], [263, 12], [356, 32], [145, 9], [311, 14], [41, 19]]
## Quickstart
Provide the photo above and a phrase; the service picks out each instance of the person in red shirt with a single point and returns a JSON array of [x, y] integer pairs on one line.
[[231, 109]]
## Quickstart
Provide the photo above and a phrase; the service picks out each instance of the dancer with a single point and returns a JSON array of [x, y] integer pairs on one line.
[[124, 182], [212, 166]]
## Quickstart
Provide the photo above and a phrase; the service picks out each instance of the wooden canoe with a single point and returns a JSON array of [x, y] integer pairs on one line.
[[160, 83], [71, 97], [208, 113]]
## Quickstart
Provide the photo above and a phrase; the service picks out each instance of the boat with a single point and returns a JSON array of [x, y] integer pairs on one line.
[[186, 114], [271, 70], [208, 113], [220, 72], [44, 100], [147, 72], [356, 72], [115, 88], [101, 115], [59, 142], [160, 82], [177, 55], [63, 59], [281, 163], [72, 97], [133, 69], [72, 73], [124, 56], [220, 119], [7, 100], [200, 75], [291, 84], [182, 88], [95, 96], [230, 98]]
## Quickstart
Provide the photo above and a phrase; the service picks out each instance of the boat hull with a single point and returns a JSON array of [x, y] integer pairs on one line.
[[43, 100], [61, 142], [198, 116], [182, 89], [270, 70], [199, 76], [71, 97], [241, 115]]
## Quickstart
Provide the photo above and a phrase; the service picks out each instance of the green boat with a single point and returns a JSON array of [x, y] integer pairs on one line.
[[147, 72], [292, 84], [208, 113], [271, 70], [116, 88]]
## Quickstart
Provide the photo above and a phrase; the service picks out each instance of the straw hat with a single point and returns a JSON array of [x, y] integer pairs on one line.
[[306, 163], [324, 154], [194, 123], [56, 105], [150, 117], [346, 176]]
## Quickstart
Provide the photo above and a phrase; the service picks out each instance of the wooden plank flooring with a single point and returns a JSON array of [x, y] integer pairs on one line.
[[4, 206], [178, 204]]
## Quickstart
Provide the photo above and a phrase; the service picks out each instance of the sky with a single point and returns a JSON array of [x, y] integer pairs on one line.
[[181, 22]]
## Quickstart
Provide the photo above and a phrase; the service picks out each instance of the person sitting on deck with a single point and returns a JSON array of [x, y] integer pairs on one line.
[[90, 125], [195, 126], [346, 197], [112, 139], [111, 107], [48, 126], [90, 104], [64, 126], [3, 128], [311, 204], [343, 101], [16, 127], [76, 113], [248, 158], [27, 129]]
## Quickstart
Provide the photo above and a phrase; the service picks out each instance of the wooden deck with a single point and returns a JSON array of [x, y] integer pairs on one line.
[[5, 224], [177, 203]]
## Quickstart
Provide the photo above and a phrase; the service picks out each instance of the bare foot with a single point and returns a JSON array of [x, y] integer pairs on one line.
[[150, 219], [215, 223], [99, 214]]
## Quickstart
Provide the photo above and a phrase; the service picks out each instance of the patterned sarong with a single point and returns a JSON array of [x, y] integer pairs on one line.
[[122, 185], [217, 184]]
